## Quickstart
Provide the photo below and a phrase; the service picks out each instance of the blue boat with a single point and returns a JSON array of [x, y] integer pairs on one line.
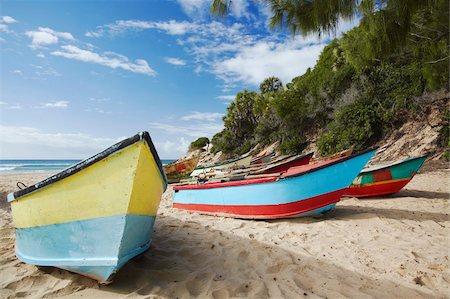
[[299, 191]]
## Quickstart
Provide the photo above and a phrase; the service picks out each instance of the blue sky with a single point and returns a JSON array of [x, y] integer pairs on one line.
[[78, 76]]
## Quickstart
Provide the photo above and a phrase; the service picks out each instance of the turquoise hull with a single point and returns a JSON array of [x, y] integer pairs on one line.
[[97, 248]]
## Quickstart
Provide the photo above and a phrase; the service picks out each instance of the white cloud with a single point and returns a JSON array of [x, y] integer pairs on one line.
[[99, 100], [45, 71], [4, 27], [10, 106], [41, 55], [173, 149], [55, 104], [171, 27], [227, 98], [234, 53], [239, 9], [196, 130], [46, 36], [55, 145], [204, 116], [108, 59], [98, 110], [17, 72], [196, 9], [253, 64], [8, 20], [4, 21], [14, 107], [18, 142], [175, 61]]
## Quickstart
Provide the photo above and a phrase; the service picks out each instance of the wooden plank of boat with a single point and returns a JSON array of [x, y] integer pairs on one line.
[[285, 164], [262, 159], [181, 167], [242, 161], [300, 191], [385, 178], [179, 170], [280, 165], [93, 217], [341, 154]]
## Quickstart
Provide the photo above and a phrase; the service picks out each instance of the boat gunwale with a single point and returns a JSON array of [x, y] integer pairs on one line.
[[221, 164], [92, 160], [268, 168], [394, 163], [278, 178], [343, 159], [262, 157]]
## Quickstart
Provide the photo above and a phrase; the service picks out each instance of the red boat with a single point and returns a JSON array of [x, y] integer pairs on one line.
[[384, 179]]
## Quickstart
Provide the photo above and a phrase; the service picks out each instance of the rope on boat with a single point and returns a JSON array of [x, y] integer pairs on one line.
[[21, 185]]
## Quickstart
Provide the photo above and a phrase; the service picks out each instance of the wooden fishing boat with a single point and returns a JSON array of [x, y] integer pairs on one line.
[[93, 217], [241, 161], [262, 159], [284, 164], [385, 179], [300, 191], [279, 165], [341, 154], [180, 169]]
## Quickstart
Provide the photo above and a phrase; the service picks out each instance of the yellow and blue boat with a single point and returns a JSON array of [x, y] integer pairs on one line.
[[95, 216]]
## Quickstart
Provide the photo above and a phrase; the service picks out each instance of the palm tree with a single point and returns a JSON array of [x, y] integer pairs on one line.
[[387, 24]]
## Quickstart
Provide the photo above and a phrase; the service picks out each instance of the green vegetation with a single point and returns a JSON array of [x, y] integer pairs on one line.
[[363, 86], [199, 143]]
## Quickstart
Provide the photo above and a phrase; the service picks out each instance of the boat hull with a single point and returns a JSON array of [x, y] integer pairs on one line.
[[305, 207], [245, 161], [95, 247], [270, 198], [385, 181], [182, 167], [95, 220]]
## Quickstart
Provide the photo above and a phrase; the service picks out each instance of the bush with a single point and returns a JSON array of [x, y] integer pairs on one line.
[[356, 125], [199, 143]]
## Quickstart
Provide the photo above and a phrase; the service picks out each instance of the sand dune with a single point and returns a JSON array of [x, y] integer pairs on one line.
[[395, 247]]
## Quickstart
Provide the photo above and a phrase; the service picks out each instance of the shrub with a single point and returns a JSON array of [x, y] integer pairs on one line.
[[199, 143]]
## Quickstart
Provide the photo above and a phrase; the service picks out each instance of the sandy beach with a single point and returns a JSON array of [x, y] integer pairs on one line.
[[393, 247]]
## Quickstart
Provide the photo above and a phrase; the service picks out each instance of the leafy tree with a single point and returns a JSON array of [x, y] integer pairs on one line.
[[386, 25], [199, 143], [240, 119], [360, 88], [271, 84]]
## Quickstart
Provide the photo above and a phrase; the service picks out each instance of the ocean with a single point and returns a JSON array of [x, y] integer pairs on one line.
[[21, 166]]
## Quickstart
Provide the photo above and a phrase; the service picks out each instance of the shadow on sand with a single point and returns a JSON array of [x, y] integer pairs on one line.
[[348, 211], [188, 260], [421, 194]]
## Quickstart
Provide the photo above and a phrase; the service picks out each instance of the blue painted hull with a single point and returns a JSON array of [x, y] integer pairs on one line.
[[97, 248], [310, 193]]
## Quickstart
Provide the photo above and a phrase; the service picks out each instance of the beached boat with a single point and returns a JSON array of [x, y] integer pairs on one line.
[[93, 217], [263, 159], [179, 169], [279, 165], [385, 179], [285, 163], [300, 191], [242, 161], [341, 154]]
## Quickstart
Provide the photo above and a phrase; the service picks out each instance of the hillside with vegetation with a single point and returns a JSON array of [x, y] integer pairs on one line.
[[365, 85]]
